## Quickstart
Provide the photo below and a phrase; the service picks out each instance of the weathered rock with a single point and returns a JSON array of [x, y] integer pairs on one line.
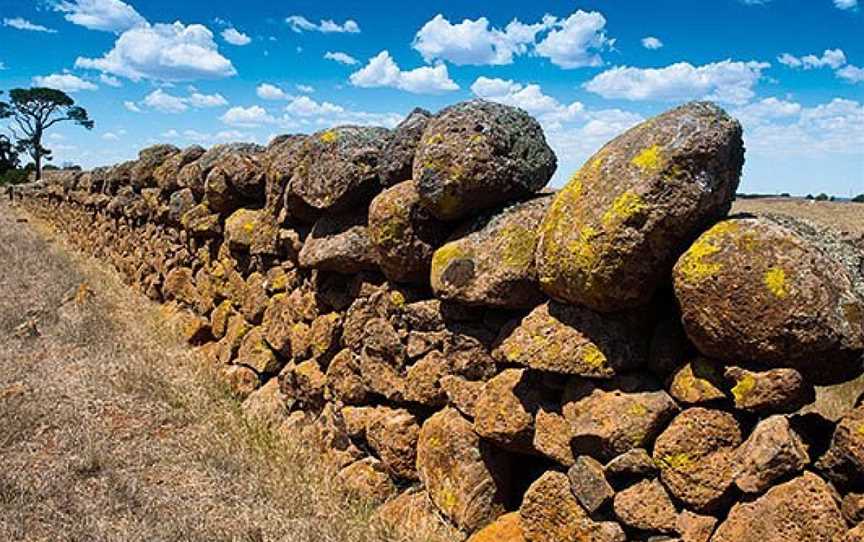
[[423, 379], [608, 423], [367, 479], [336, 168], [403, 234], [775, 390], [695, 527], [504, 411], [267, 405], [634, 463], [194, 174], [180, 285], [478, 154], [551, 513], [574, 340], [339, 243], [393, 435], [237, 328], [397, 157], [330, 434], [698, 381], [852, 508], [251, 230], [589, 484], [465, 477], [507, 528], [240, 380], [166, 175], [254, 301], [843, 463], [150, 158], [771, 292], [492, 263], [344, 379], [255, 353], [646, 506], [772, 451], [281, 159], [553, 436], [856, 534], [200, 221], [411, 514], [462, 394], [696, 457], [803, 509], [614, 231], [179, 203], [237, 176]]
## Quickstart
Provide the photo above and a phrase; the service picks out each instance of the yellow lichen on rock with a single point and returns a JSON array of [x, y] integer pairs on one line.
[[519, 244], [743, 387], [592, 356], [649, 160], [693, 266], [624, 207], [329, 136], [775, 281], [444, 255]]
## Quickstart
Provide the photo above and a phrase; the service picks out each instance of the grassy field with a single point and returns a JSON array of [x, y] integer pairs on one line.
[[842, 216], [108, 432]]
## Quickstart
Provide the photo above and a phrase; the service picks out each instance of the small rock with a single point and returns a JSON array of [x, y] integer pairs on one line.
[[588, 483], [696, 457], [507, 528], [553, 436], [646, 506], [344, 379], [255, 353], [632, 464], [853, 508], [843, 463], [368, 479], [775, 390], [504, 412], [339, 243], [267, 405], [393, 435], [694, 527], [698, 381], [462, 394], [772, 451]]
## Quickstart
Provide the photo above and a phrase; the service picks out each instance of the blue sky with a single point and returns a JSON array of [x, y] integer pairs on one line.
[[205, 72]]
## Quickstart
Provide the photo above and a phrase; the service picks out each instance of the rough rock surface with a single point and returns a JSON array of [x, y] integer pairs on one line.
[[403, 234], [646, 506], [507, 528], [337, 168], [478, 154], [492, 264], [843, 463], [698, 381], [774, 390], [772, 451], [616, 228], [397, 157], [803, 509], [696, 457], [339, 243], [574, 340], [758, 290], [589, 484], [465, 477]]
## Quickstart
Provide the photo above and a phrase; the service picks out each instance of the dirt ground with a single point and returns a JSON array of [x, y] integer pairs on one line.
[[108, 432], [842, 216]]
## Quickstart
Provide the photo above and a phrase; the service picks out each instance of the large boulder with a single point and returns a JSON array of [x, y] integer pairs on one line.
[[613, 233], [403, 234], [339, 243], [281, 159], [774, 291], [492, 264], [238, 176], [337, 167], [397, 158], [465, 477], [804, 510], [574, 340], [478, 154], [194, 174]]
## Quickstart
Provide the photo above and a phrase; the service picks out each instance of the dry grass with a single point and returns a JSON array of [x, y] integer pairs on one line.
[[841, 216], [109, 432]]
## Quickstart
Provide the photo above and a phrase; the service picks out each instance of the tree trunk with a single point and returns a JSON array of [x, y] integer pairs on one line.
[[37, 159]]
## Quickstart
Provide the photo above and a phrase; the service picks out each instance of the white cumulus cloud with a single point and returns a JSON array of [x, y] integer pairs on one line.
[[851, 73], [651, 42], [266, 91], [473, 42], [235, 37], [846, 4], [63, 81], [340, 57], [105, 15], [528, 97], [382, 71], [163, 52], [131, 106], [576, 41], [20, 23], [726, 81], [247, 117], [831, 58], [305, 106], [298, 23], [110, 81], [168, 103]]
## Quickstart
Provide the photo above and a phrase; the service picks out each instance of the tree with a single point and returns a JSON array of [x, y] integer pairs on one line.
[[822, 197], [8, 156], [35, 110], [859, 198]]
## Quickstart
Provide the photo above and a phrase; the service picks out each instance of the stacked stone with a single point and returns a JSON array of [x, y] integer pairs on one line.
[[615, 361]]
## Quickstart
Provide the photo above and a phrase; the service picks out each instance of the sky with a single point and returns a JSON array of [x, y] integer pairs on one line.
[[211, 71]]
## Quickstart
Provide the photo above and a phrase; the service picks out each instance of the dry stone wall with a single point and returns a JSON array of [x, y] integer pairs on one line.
[[617, 360]]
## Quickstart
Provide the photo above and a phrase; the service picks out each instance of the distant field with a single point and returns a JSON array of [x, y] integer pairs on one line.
[[842, 216]]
